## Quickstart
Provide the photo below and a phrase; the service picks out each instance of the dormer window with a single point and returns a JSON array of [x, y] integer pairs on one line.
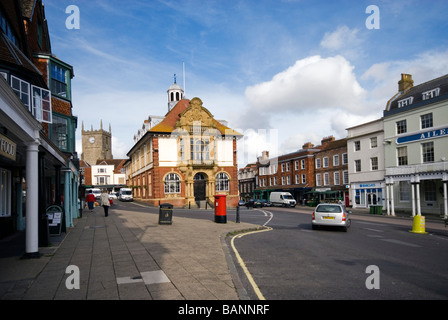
[[431, 94], [405, 102]]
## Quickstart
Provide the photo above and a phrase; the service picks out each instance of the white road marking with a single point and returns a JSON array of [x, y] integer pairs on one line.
[[401, 242]]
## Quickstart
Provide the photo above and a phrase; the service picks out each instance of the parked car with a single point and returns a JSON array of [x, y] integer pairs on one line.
[[241, 203], [125, 194], [112, 195], [258, 203], [96, 192], [284, 199], [332, 215], [266, 203]]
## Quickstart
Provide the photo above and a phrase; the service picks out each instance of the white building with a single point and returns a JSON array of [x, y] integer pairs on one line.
[[366, 169], [416, 147]]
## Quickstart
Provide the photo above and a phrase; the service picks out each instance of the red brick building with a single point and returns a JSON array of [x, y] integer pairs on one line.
[[185, 159], [331, 170], [293, 172]]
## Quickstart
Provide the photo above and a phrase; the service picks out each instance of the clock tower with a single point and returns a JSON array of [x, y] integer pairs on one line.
[[96, 144]]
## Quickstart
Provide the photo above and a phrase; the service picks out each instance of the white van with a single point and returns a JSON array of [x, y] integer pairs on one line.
[[96, 192], [125, 194], [284, 199]]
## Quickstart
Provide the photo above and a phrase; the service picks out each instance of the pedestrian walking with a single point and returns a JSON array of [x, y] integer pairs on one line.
[[105, 202], [90, 199]]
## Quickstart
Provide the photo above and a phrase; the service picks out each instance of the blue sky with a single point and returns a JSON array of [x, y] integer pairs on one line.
[[281, 72]]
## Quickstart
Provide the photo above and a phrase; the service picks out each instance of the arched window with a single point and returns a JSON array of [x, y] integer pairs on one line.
[[177, 96], [172, 96], [222, 182], [172, 183]]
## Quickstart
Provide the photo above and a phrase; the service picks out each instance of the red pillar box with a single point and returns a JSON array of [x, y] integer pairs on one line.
[[220, 208]]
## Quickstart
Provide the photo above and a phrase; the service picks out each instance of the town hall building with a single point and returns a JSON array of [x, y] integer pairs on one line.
[[184, 159]]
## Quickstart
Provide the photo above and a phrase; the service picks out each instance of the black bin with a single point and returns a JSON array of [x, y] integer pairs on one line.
[[166, 213]]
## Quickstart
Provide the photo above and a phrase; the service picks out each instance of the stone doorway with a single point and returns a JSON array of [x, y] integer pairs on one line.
[[200, 183]]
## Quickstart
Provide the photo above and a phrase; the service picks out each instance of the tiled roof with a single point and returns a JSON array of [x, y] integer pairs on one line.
[[417, 91]]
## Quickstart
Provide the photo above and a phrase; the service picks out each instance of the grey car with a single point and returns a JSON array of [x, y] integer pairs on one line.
[[332, 215]]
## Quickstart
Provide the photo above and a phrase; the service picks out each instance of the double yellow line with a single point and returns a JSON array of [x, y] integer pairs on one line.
[[243, 265]]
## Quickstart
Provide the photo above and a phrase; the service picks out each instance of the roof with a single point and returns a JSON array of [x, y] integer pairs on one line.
[[416, 93], [168, 124]]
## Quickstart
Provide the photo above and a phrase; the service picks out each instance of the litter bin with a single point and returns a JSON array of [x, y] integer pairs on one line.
[[372, 210], [379, 210], [166, 213], [220, 208]]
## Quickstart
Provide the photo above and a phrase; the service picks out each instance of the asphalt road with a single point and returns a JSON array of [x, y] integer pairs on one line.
[[293, 262]]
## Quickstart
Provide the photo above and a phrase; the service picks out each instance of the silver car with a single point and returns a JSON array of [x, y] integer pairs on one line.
[[330, 214]]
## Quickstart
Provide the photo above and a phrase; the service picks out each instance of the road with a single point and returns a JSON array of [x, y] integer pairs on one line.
[[292, 261]]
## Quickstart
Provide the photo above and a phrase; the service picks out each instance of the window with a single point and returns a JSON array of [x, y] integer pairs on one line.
[[182, 148], [283, 181], [402, 156], [283, 167], [326, 162], [405, 102], [430, 190], [428, 152], [59, 132], [405, 191], [303, 178], [326, 179], [41, 104], [287, 166], [222, 182], [200, 151], [318, 180], [172, 183], [345, 177], [357, 165], [302, 164], [288, 180], [22, 89], [5, 193], [374, 163], [344, 158], [357, 145], [296, 165], [401, 127], [431, 94], [337, 178], [426, 121], [6, 27], [373, 142], [58, 81], [297, 179], [336, 160], [318, 165]]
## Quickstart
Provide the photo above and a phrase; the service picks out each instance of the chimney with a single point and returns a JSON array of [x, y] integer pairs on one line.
[[328, 139], [307, 145], [405, 83]]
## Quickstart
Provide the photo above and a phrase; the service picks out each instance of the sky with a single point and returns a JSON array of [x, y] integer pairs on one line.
[[281, 72]]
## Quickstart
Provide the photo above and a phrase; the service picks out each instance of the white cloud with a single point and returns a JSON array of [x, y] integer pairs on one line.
[[311, 83], [342, 37]]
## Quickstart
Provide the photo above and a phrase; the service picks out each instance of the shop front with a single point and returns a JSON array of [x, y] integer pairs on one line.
[[366, 194]]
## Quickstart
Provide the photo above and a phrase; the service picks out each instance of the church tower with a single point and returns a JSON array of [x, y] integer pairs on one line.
[[175, 94], [96, 144]]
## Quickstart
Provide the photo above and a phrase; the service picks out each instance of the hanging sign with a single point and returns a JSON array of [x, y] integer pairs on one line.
[[7, 148]]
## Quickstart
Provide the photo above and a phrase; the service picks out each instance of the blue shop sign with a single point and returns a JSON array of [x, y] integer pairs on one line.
[[423, 136]]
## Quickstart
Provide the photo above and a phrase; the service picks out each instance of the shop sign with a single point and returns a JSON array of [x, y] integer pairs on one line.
[[423, 136], [7, 148]]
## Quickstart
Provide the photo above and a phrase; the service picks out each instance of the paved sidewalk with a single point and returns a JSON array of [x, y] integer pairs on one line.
[[130, 256]]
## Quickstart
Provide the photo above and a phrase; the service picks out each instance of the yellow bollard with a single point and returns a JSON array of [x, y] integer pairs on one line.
[[419, 225]]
